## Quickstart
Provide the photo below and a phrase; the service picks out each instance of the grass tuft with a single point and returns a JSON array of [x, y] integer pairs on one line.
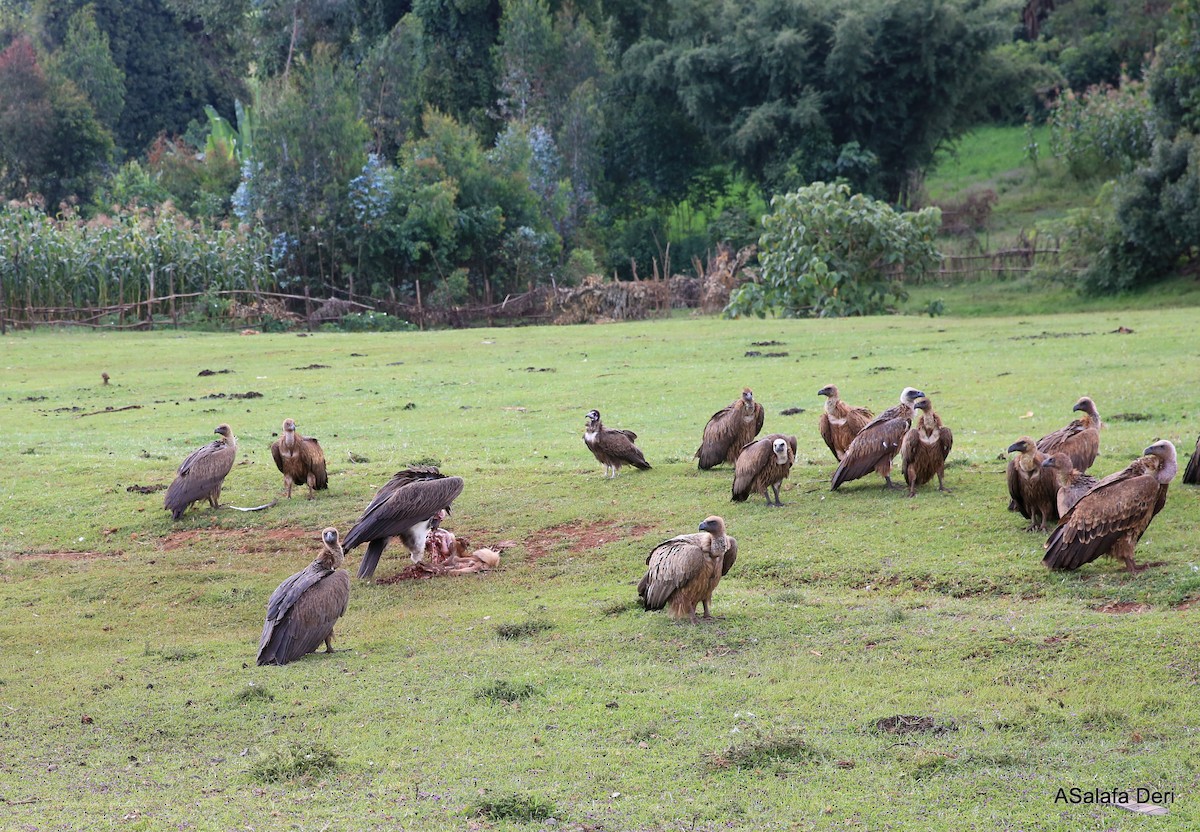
[[504, 692], [518, 807], [522, 630], [761, 750], [291, 761], [253, 693]]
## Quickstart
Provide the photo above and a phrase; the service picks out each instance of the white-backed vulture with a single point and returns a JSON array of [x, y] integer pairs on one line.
[[684, 570], [1032, 487], [839, 422], [300, 460], [877, 443], [729, 430], [1080, 439], [1111, 518], [925, 448], [1191, 474], [762, 465], [407, 506], [201, 475], [1069, 480], [612, 447], [304, 608]]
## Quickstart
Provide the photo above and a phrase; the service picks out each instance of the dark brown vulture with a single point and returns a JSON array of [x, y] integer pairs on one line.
[[300, 460], [200, 475], [762, 465], [1111, 518], [877, 443], [1069, 480], [1191, 474], [305, 607], [407, 506], [729, 430], [840, 423], [684, 570], [925, 448], [1080, 440], [611, 446], [1032, 487]]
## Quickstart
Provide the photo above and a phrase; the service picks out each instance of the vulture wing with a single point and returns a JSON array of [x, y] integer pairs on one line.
[[730, 556], [401, 503], [945, 440], [302, 613], [826, 428], [1191, 474], [277, 455], [314, 461], [618, 444], [200, 475], [753, 458], [760, 416], [720, 431], [1077, 440], [1122, 503], [878, 441], [672, 564]]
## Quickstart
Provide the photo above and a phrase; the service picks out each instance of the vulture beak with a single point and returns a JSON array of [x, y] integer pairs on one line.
[[1048, 462], [922, 404], [824, 391], [1079, 406], [1016, 446], [330, 536]]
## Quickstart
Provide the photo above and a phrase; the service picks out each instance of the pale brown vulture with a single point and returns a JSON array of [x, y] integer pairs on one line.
[[877, 443], [762, 465], [925, 448], [300, 460], [1080, 440], [1191, 474], [684, 570], [839, 422], [1069, 480], [200, 475], [612, 447], [1111, 518], [304, 608], [1032, 487], [411, 503], [729, 430]]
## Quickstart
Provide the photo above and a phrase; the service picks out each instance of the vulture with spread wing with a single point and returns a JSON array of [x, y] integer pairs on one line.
[[1032, 487], [877, 443], [300, 460], [201, 475], [411, 503], [1079, 440], [304, 608], [763, 465], [1111, 518], [684, 570], [612, 447], [1191, 474], [925, 448], [1069, 480], [729, 430], [839, 422]]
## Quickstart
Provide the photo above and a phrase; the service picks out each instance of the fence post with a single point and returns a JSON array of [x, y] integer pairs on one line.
[[307, 308]]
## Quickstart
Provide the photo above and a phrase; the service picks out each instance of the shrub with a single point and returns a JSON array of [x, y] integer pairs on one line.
[[1103, 131]]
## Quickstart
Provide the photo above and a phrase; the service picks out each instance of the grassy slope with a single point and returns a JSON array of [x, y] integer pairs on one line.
[[844, 608]]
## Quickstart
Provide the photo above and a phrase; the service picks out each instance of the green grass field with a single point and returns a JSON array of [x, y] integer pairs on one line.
[[129, 698]]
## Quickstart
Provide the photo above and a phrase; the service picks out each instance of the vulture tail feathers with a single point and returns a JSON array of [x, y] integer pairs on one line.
[[371, 558], [1191, 474]]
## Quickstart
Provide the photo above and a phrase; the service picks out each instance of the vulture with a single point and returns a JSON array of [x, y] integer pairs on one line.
[[300, 460], [305, 607], [877, 443], [200, 475], [1111, 518], [408, 505], [1032, 487], [762, 465], [684, 570], [1069, 480], [612, 447], [925, 448], [1191, 474], [729, 430], [1080, 440], [840, 422]]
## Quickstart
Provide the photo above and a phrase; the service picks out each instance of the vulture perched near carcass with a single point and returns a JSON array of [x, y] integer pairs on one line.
[[1079, 440], [839, 422], [612, 447], [305, 607], [762, 465], [877, 443], [1069, 480], [729, 430], [300, 460], [407, 506], [925, 448], [1032, 487], [1191, 474], [684, 570], [201, 475], [1111, 518]]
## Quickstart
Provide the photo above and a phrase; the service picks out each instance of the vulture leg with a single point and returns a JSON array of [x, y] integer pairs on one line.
[[775, 488], [287, 485], [329, 643], [707, 614], [942, 483], [214, 499]]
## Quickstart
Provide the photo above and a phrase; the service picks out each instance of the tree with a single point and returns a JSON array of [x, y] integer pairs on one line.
[[459, 78], [85, 58]]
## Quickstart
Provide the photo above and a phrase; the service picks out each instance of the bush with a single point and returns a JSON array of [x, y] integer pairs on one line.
[[370, 321], [1103, 132]]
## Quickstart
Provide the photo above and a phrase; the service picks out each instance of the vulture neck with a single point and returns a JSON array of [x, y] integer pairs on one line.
[[1028, 464], [747, 410], [331, 558], [831, 406], [289, 439], [230, 440], [719, 545], [1167, 472]]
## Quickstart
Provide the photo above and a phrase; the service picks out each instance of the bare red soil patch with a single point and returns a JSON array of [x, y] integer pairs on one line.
[[579, 537], [1188, 604], [1123, 608], [244, 541]]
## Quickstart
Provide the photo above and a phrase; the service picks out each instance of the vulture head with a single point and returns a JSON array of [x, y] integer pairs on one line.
[[1023, 445], [223, 430], [1088, 406], [1164, 451], [910, 395], [780, 449], [1057, 462], [593, 418], [714, 525], [747, 395], [922, 403], [289, 426], [829, 390], [333, 557]]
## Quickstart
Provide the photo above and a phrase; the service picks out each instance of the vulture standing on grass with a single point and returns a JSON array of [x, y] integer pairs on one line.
[[877, 443], [300, 460], [1069, 480], [305, 607], [729, 430], [1111, 518], [684, 570], [407, 506], [925, 448], [1191, 474], [762, 465], [201, 475], [1032, 487], [1080, 440], [611, 446], [840, 423]]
